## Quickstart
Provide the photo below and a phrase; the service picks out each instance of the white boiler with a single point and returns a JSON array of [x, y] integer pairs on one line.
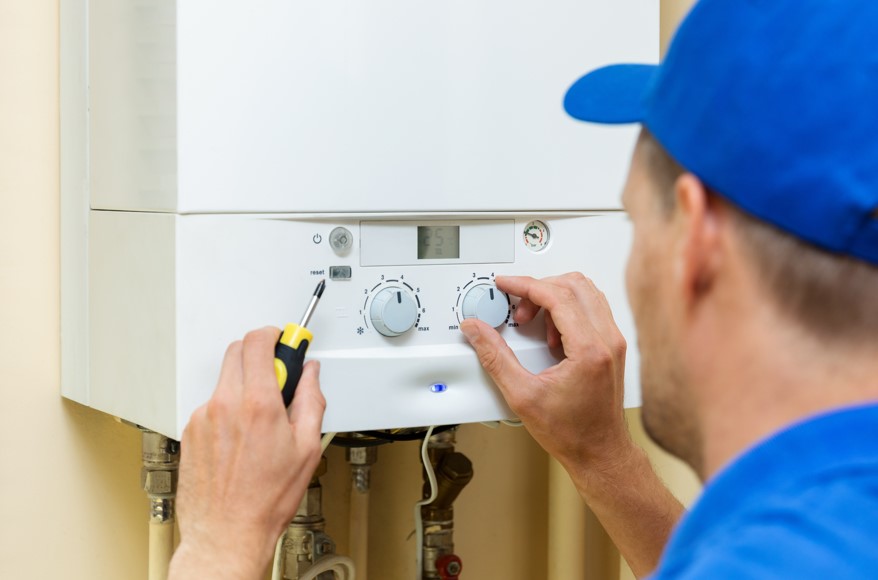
[[220, 158]]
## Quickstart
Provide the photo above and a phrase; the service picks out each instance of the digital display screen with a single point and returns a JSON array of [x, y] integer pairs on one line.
[[438, 242]]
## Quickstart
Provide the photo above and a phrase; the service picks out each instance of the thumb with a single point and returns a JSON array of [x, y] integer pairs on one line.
[[496, 357]]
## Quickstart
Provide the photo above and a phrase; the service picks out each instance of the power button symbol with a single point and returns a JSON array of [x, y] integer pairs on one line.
[[317, 238]]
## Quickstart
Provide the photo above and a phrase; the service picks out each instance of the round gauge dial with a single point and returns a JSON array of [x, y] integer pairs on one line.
[[536, 236]]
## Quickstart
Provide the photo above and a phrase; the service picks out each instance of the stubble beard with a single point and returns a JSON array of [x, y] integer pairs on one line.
[[668, 413]]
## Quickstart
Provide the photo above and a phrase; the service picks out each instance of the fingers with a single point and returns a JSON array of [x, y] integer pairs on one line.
[[308, 406], [517, 285], [496, 357], [228, 393], [231, 380], [553, 337], [258, 358], [556, 297], [525, 311], [574, 304], [592, 300]]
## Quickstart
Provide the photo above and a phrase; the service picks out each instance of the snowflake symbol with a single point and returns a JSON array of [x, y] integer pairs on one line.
[[361, 330]]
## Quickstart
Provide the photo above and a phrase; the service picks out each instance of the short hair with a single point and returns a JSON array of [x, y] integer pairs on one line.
[[834, 296]]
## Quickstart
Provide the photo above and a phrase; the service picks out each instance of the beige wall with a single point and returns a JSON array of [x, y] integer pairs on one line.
[[672, 12], [70, 505], [69, 499]]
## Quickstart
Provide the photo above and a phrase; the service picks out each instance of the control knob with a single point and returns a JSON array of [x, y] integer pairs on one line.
[[487, 303], [393, 311]]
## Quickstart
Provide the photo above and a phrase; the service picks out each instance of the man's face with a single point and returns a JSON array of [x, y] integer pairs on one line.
[[668, 414]]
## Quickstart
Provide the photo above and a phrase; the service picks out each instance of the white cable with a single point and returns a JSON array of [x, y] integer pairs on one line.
[[434, 491], [341, 566], [513, 422], [276, 567], [327, 439]]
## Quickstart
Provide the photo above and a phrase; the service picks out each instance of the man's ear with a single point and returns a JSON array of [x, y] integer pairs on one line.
[[698, 230]]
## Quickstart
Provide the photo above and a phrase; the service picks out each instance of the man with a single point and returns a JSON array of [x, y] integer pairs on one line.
[[753, 279]]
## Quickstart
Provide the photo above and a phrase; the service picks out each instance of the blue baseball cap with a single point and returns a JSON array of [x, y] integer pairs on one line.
[[773, 104]]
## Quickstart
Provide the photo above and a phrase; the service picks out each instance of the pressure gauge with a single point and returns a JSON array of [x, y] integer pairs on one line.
[[536, 236]]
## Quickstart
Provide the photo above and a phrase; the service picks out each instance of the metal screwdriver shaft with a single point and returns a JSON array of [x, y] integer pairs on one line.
[[318, 292]]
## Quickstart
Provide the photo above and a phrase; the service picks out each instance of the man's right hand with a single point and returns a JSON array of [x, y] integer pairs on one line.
[[245, 464], [575, 408]]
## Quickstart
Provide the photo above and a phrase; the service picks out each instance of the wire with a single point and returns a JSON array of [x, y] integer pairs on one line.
[[276, 571], [513, 422], [340, 441], [434, 491], [408, 436], [384, 437], [327, 439], [341, 566]]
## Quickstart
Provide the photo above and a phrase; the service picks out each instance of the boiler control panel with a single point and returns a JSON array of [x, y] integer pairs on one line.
[[387, 330]]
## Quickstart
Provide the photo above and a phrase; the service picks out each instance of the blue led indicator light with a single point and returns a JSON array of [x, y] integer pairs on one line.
[[439, 387]]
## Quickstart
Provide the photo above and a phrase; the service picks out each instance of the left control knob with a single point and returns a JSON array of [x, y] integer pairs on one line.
[[393, 311]]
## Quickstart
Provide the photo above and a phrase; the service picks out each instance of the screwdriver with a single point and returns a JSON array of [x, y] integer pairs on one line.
[[289, 354]]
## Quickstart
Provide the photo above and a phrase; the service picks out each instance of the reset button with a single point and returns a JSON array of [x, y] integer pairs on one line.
[[339, 272]]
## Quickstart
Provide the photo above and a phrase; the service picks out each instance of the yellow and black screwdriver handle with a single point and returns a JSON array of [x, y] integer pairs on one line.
[[289, 359]]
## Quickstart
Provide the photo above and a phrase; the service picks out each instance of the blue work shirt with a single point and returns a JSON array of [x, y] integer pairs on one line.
[[801, 504]]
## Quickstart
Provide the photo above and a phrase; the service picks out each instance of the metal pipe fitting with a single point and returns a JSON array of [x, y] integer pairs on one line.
[[361, 459], [305, 541], [449, 567], [158, 477], [453, 472]]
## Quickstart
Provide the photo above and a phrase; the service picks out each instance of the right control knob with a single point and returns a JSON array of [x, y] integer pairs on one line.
[[487, 303]]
